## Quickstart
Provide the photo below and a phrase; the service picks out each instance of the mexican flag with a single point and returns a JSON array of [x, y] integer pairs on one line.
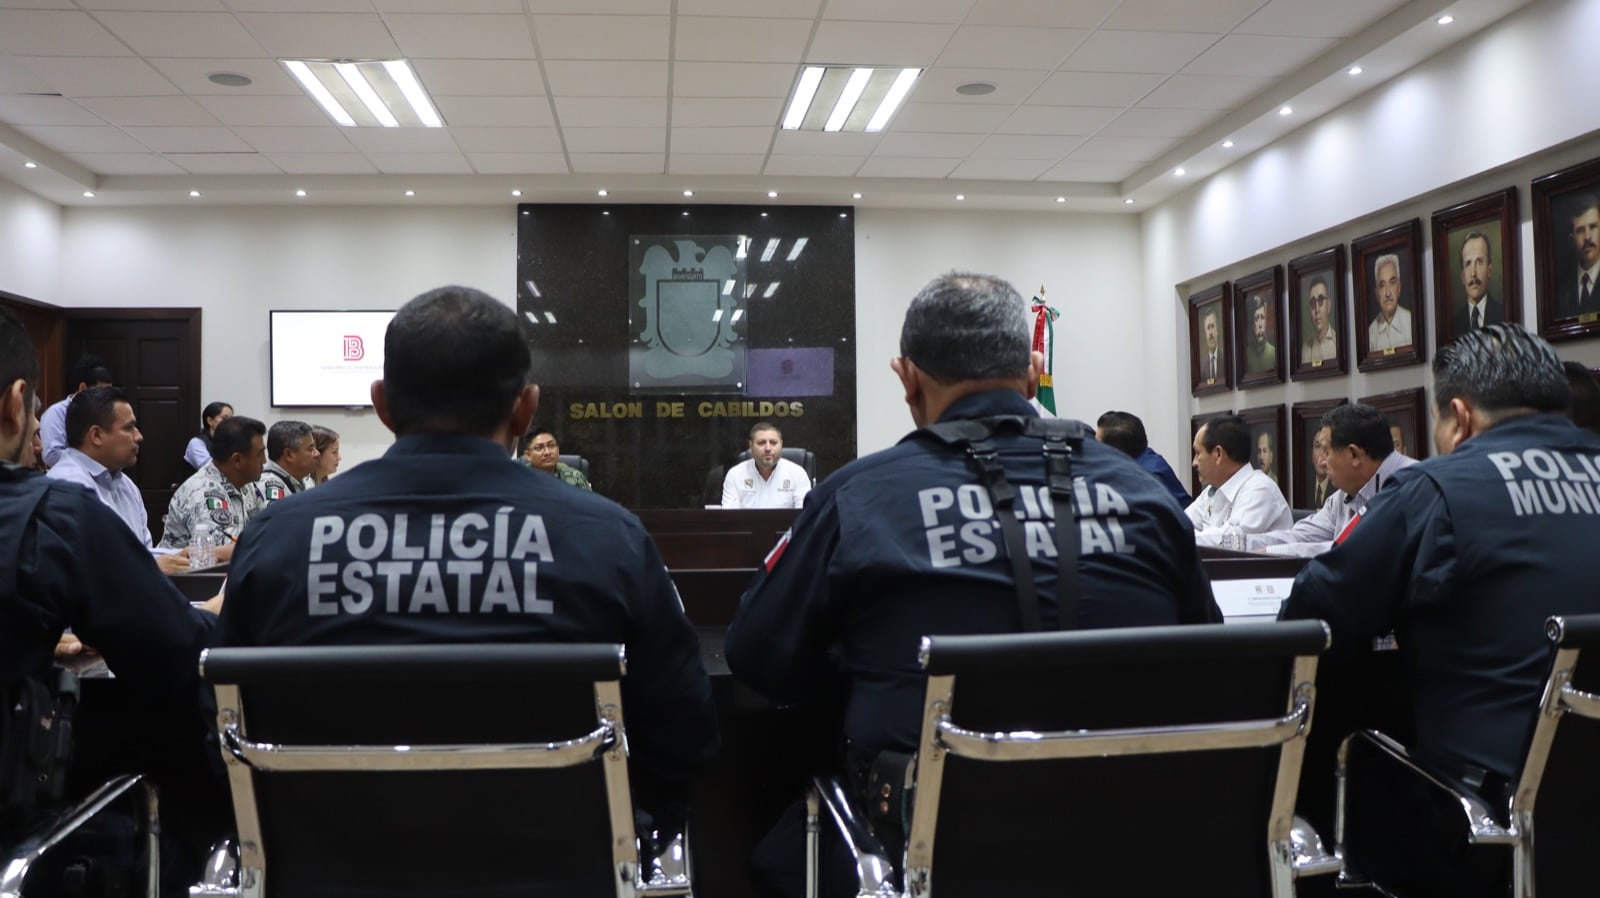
[[1044, 341]]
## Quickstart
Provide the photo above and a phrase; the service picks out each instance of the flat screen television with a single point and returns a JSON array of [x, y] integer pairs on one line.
[[325, 358]]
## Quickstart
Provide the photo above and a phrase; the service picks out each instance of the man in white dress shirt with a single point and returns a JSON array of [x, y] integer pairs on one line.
[[1361, 458], [766, 479], [1235, 493], [1391, 327]]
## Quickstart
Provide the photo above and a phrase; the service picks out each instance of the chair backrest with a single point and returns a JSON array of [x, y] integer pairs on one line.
[[1157, 760], [805, 458], [440, 770], [576, 461]]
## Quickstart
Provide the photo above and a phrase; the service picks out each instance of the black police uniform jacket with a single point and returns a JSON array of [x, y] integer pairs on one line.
[[445, 539], [904, 543], [1463, 557]]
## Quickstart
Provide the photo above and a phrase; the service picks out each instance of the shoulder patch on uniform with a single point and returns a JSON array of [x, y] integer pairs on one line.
[[275, 492], [216, 503]]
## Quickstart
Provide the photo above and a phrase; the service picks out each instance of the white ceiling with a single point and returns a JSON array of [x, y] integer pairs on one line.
[[1095, 100]]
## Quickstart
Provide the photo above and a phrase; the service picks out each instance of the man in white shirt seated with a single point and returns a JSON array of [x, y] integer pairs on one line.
[[1236, 493], [103, 440], [1361, 458], [766, 479]]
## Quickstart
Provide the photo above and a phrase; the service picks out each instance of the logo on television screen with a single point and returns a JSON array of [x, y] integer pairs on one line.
[[354, 349]]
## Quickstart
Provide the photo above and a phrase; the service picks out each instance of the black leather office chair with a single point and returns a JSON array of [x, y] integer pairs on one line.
[[577, 461], [1144, 761], [805, 458], [443, 770], [1557, 798]]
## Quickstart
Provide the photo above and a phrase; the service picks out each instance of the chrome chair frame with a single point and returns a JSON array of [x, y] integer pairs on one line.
[[56, 829], [636, 873]]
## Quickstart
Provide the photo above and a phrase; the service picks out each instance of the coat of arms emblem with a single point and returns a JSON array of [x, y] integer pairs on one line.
[[689, 303]]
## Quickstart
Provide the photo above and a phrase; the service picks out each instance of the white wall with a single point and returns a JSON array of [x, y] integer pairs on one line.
[[30, 244], [1475, 119]]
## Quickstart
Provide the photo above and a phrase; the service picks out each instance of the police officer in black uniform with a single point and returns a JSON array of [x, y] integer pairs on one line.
[[906, 542], [1463, 557], [68, 561], [445, 539]]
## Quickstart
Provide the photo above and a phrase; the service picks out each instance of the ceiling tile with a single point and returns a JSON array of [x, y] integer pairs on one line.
[[401, 140], [1162, 52], [39, 32], [507, 140], [122, 76], [518, 163], [993, 46], [69, 139], [126, 164], [299, 6], [823, 166], [766, 9], [286, 112], [822, 143], [714, 164], [915, 145], [1025, 146], [906, 167], [16, 78], [601, 112], [179, 34], [1317, 18], [602, 37], [1119, 89], [495, 112], [732, 79], [721, 141], [224, 163], [603, 7], [23, 110], [615, 140], [480, 77], [1122, 149], [1095, 172], [878, 43], [1257, 55], [936, 11], [189, 140], [950, 118], [1057, 120], [1002, 169], [461, 37], [1203, 92], [1212, 16], [323, 163], [939, 84], [704, 38], [149, 111], [705, 112], [190, 75], [421, 163], [459, 6], [1159, 123], [574, 78], [1051, 14], [326, 139], [619, 163], [39, 4], [331, 36]]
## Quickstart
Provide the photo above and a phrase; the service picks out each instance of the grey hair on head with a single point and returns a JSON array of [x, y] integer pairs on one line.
[[964, 326]]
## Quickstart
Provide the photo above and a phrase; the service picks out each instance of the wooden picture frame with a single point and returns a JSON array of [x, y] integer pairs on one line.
[[1310, 491], [1195, 423], [1319, 343], [1210, 362], [1566, 245], [1258, 354], [1401, 339], [1475, 249], [1408, 411], [1269, 437]]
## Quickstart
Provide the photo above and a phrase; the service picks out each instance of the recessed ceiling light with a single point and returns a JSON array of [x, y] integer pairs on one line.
[[230, 79], [411, 193], [772, 194], [1285, 110], [688, 193], [1227, 144], [1179, 171], [602, 192], [1128, 201], [1445, 20], [847, 98], [36, 165], [855, 196], [299, 193], [1061, 199], [960, 196], [516, 193], [1354, 70], [89, 194], [374, 92], [194, 193], [975, 89]]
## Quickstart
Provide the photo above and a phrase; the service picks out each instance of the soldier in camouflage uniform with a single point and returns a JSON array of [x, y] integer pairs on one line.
[[291, 458], [541, 452], [223, 492]]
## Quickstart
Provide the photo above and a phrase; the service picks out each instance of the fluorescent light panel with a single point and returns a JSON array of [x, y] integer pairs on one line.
[[847, 98], [379, 93]]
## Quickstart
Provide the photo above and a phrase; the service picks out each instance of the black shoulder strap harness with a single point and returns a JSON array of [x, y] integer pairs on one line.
[[1061, 439]]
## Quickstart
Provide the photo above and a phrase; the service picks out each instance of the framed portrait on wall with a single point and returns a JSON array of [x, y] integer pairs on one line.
[[1407, 412], [1210, 369], [1391, 316], [1311, 483], [1268, 438], [1195, 423], [1258, 328], [1477, 271], [1566, 249], [1318, 331]]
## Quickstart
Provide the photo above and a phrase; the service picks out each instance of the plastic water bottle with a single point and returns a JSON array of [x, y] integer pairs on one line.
[[202, 547], [1233, 537]]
